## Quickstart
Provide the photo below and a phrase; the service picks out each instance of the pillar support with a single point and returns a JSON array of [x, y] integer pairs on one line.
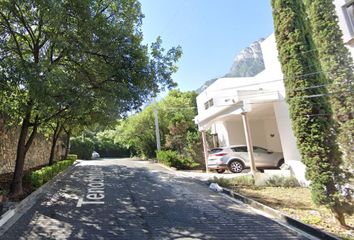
[[205, 147], [249, 143]]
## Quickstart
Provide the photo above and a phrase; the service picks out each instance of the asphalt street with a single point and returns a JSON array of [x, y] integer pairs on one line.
[[130, 199]]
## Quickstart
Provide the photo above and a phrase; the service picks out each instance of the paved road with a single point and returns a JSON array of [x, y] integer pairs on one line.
[[125, 199]]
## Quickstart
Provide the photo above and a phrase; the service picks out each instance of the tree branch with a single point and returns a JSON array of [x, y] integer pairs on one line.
[[33, 134], [23, 21], [13, 36]]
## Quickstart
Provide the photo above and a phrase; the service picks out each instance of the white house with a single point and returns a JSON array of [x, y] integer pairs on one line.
[[229, 104]]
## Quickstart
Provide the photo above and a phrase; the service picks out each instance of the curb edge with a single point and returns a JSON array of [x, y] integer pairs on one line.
[[11, 216], [281, 216]]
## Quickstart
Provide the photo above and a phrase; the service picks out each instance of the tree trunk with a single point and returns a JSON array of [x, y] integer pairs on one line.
[[55, 137], [67, 144], [339, 217], [22, 148], [52, 150]]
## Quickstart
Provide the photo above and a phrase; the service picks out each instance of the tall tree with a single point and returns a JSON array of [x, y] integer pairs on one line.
[[56, 53], [176, 112], [309, 105], [337, 65]]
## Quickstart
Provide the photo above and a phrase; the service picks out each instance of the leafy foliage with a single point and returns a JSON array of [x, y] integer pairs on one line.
[[39, 177], [173, 159], [104, 144], [309, 106], [72, 157], [82, 147], [177, 129], [242, 181], [62, 59], [337, 65], [286, 182]]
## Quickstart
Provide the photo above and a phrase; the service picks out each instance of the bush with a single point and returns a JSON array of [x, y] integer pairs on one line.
[[234, 182], [287, 182], [83, 147], [39, 177], [72, 157], [110, 149], [173, 159]]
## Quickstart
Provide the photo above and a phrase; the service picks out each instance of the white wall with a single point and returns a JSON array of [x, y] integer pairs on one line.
[[288, 141], [223, 136], [233, 131], [272, 135], [236, 132], [343, 24]]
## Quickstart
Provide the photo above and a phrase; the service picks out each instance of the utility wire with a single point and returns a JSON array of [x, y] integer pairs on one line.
[[283, 79]]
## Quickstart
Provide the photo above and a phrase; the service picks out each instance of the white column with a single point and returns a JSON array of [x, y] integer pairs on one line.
[[205, 147], [249, 142]]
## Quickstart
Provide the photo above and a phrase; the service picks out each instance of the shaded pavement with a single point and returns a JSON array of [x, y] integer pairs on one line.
[[126, 199]]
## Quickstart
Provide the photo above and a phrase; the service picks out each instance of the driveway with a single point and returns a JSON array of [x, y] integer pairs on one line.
[[129, 199]]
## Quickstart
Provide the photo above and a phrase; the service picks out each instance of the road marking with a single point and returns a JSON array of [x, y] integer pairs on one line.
[[95, 188], [9, 214], [81, 202]]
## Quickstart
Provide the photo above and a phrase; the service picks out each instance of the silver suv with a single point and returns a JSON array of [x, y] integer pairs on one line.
[[235, 158]]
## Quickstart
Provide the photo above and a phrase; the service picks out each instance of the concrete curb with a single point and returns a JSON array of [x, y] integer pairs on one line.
[[281, 217], [167, 167], [11, 216]]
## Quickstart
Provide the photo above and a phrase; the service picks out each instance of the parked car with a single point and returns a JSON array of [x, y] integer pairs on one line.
[[235, 158], [95, 155]]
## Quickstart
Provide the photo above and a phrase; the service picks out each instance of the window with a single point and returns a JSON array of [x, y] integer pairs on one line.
[[349, 14], [209, 104], [215, 150], [259, 150], [239, 149]]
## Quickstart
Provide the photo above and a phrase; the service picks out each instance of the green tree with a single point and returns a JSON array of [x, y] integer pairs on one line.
[[55, 54], [176, 112], [137, 133], [309, 105], [337, 65]]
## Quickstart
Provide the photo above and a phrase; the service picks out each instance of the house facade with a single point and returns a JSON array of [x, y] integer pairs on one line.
[[231, 105]]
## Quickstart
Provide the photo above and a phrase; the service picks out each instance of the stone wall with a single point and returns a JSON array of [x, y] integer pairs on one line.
[[37, 155]]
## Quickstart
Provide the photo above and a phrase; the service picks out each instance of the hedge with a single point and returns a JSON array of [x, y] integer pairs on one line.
[[39, 177], [83, 147], [110, 149], [173, 159], [72, 157]]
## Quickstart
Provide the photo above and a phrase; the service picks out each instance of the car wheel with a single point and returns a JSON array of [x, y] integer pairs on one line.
[[281, 162], [236, 166], [220, 170]]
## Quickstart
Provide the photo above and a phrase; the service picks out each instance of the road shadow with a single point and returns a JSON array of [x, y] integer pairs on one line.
[[141, 204]]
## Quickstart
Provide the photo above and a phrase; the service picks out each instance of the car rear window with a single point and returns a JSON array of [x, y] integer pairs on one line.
[[239, 149], [215, 150]]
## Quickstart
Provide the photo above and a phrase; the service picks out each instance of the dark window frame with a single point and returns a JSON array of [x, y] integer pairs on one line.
[[208, 104], [349, 17]]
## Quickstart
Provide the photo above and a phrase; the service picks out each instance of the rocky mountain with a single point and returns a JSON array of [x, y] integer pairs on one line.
[[248, 63]]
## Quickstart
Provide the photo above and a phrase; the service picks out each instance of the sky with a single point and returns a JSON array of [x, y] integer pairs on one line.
[[210, 32]]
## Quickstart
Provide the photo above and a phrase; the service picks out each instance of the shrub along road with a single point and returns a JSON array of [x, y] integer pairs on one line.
[[126, 199]]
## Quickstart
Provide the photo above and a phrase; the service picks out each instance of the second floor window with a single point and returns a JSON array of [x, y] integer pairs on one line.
[[208, 104]]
